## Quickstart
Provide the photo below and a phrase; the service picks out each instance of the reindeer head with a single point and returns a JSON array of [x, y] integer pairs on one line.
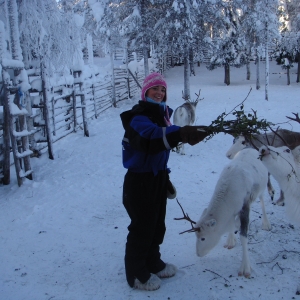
[[207, 237], [279, 161], [192, 102], [239, 143]]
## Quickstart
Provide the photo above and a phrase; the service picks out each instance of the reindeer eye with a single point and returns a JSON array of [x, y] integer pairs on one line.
[[243, 142], [287, 150], [202, 239]]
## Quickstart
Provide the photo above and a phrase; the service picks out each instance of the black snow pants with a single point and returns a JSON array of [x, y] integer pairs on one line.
[[145, 199]]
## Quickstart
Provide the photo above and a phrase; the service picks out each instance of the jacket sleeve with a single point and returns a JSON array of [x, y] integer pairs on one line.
[[146, 136]]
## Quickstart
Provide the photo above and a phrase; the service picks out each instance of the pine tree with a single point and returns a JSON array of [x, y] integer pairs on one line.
[[229, 46], [183, 31]]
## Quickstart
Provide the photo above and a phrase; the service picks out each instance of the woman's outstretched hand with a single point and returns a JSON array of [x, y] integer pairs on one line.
[[193, 134]]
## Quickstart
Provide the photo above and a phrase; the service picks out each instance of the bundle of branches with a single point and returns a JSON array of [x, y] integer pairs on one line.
[[244, 123]]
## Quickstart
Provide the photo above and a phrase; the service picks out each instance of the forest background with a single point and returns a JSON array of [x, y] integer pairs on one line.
[[47, 51]]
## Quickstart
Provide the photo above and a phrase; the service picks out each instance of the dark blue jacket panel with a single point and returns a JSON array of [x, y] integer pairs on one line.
[[147, 141]]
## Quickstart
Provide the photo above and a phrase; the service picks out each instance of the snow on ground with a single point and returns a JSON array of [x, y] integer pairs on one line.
[[62, 235]]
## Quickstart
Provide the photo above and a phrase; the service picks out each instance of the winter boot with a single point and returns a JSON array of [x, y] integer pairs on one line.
[[152, 284], [169, 271]]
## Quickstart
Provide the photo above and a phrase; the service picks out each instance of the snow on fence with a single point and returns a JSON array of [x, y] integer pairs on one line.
[[58, 108], [68, 109]]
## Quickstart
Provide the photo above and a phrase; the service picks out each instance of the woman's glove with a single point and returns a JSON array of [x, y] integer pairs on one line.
[[192, 134]]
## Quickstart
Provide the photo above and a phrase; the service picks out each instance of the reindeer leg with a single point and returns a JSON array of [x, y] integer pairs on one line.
[[233, 229], [280, 201], [231, 241], [182, 149], [271, 190], [178, 148], [265, 222], [245, 268]]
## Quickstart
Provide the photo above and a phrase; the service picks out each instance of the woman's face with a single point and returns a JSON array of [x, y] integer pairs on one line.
[[156, 93]]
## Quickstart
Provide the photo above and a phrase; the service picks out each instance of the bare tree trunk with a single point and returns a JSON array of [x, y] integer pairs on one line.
[[146, 64], [267, 62], [298, 73], [145, 45], [227, 74], [288, 76], [191, 59], [127, 71], [113, 86], [12, 11], [186, 92], [248, 70], [257, 61]]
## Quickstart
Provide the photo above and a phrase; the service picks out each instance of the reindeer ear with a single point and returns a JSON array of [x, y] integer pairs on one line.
[[210, 223]]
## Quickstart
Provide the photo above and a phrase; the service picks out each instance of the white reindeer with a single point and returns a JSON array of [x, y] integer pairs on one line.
[[240, 183], [283, 164], [281, 137], [185, 114]]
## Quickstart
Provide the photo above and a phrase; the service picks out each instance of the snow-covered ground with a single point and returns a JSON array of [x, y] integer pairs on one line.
[[62, 235]]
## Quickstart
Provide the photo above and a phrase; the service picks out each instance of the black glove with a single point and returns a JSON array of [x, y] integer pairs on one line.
[[192, 134]]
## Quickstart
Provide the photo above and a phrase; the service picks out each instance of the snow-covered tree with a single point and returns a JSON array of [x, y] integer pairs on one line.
[[292, 8], [289, 48], [137, 27], [48, 35], [229, 43], [289, 52], [260, 23], [182, 31]]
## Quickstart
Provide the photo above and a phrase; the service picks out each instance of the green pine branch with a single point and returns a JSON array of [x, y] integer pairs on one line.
[[244, 123]]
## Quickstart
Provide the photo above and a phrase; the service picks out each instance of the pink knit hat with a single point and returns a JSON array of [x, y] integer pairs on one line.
[[153, 79]]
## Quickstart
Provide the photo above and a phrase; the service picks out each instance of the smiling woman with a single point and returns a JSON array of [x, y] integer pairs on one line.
[[156, 93], [151, 81], [149, 137]]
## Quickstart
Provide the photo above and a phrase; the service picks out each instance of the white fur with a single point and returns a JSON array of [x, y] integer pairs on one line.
[[283, 164], [240, 143], [240, 183], [184, 115]]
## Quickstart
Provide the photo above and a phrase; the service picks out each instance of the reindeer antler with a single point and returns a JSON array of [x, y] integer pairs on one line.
[[185, 97], [275, 133], [198, 96], [297, 119], [186, 217], [269, 143]]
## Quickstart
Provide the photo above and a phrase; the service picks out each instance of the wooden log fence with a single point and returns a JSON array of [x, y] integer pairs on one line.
[[61, 109]]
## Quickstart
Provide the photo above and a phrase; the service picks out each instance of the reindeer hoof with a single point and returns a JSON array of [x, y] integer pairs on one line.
[[266, 226], [280, 202], [246, 274]]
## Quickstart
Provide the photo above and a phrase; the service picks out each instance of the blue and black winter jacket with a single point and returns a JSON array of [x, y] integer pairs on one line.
[[147, 141]]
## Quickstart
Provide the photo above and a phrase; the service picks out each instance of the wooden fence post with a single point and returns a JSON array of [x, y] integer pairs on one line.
[[46, 112], [6, 136]]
